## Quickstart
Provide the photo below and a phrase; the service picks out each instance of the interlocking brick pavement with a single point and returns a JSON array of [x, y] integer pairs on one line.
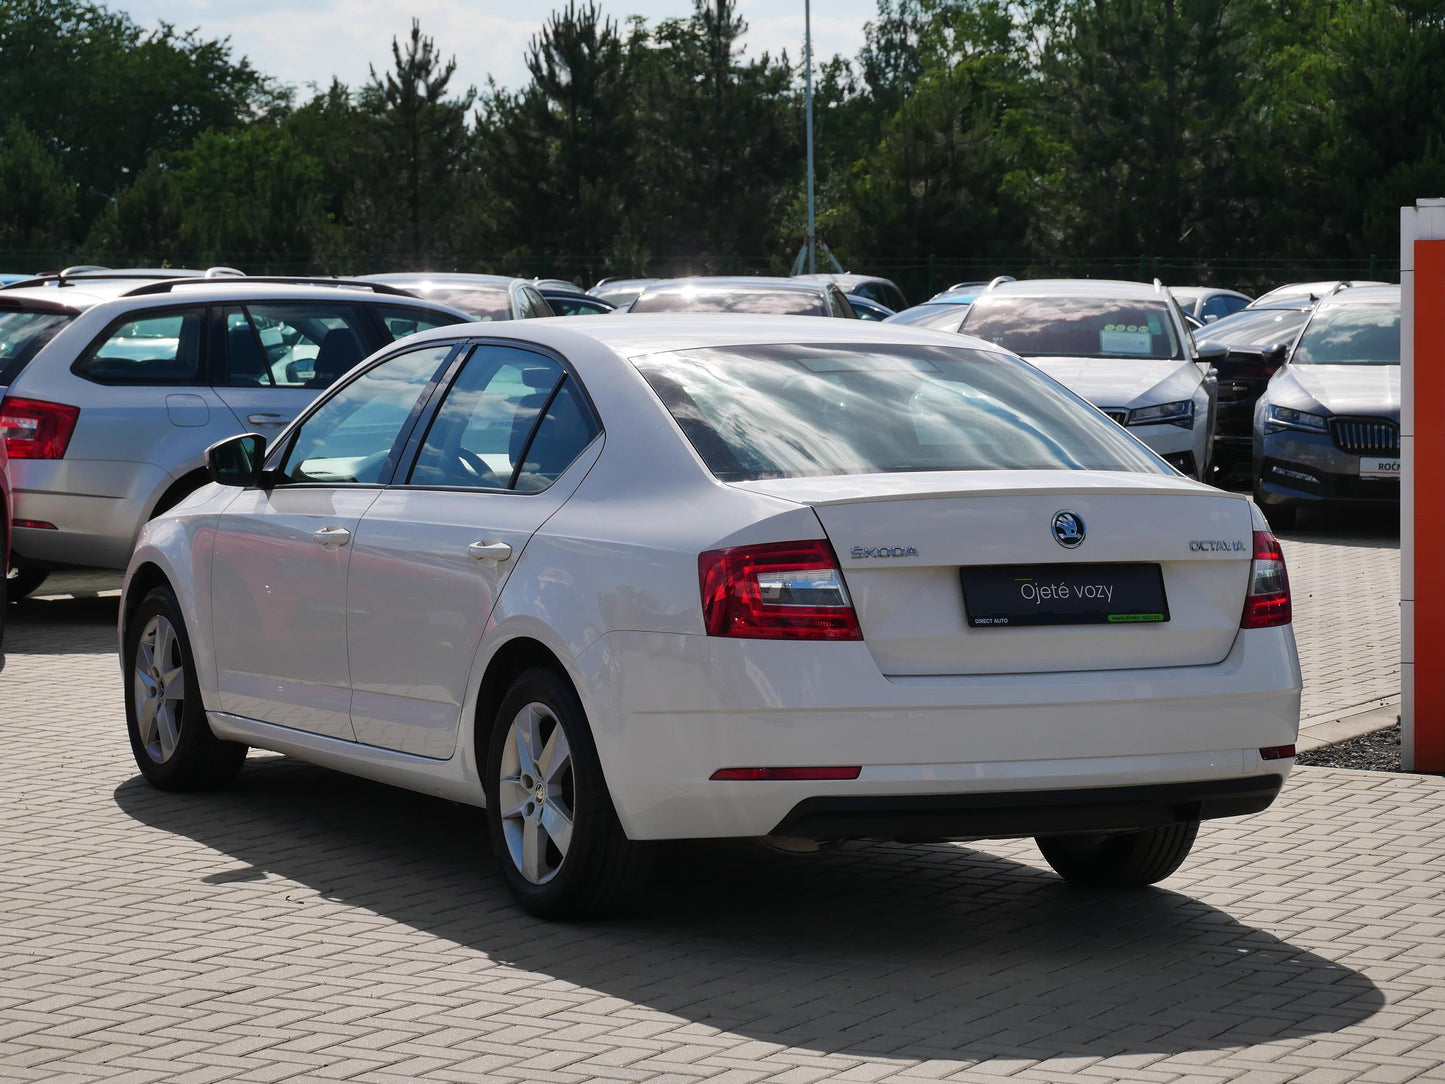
[[308, 925], [1346, 586]]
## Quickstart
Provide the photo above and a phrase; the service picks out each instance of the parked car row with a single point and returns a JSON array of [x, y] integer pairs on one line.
[[699, 567]]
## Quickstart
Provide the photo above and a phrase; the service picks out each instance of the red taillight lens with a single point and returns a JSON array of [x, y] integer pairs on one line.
[[1267, 604], [778, 591], [35, 429]]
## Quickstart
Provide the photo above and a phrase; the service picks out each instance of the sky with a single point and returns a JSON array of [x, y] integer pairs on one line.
[[312, 40]]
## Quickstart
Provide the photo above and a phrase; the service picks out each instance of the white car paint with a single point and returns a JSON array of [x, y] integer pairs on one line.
[[604, 573], [1126, 384]]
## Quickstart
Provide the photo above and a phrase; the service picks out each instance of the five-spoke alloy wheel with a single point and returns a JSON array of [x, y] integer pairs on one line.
[[553, 828], [169, 735], [538, 793]]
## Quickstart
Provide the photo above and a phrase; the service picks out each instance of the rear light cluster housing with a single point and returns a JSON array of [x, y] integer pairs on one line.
[[35, 429], [1268, 604], [776, 591]]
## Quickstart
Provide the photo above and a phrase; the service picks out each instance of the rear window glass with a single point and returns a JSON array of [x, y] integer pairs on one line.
[[809, 410], [1076, 327], [1351, 335], [742, 299], [164, 348], [22, 334], [480, 302]]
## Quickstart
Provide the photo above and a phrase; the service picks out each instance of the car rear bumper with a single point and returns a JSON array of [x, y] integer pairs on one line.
[[669, 711], [96, 506], [1036, 813]]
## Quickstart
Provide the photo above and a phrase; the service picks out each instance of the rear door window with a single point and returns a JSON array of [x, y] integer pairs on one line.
[[22, 334], [512, 420], [291, 344], [155, 348]]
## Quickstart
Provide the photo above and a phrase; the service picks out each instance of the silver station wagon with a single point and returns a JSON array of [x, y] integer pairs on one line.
[[113, 390]]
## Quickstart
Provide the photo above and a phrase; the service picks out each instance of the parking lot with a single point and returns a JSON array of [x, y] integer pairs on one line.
[[308, 924]]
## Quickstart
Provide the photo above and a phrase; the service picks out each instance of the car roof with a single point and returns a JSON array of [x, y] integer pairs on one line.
[[1118, 288], [842, 278], [69, 298], [722, 283], [635, 335], [250, 290], [1313, 289], [1362, 295], [442, 278]]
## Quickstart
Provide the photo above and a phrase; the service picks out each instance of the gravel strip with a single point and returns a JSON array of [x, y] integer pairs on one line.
[[1377, 752]]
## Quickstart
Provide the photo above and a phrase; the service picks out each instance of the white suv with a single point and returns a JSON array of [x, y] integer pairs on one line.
[[1123, 346], [113, 389]]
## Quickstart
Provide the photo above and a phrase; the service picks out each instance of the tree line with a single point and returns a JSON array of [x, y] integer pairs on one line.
[[1075, 135]]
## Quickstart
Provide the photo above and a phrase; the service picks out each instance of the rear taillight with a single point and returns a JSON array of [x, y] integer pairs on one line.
[[778, 591], [1267, 603], [35, 429]]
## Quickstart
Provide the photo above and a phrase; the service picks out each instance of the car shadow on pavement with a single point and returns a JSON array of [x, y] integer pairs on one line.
[[82, 625], [1364, 526], [904, 951]]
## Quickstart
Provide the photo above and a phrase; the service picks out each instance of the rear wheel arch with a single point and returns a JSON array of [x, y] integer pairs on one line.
[[511, 661]]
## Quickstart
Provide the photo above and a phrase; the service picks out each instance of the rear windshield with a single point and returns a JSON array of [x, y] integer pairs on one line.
[[1076, 327], [22, 334], [741, 299], [1351, 335], [478, 302], [797, 410]]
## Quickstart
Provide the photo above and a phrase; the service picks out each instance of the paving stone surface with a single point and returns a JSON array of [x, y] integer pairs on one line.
[[305, 925]]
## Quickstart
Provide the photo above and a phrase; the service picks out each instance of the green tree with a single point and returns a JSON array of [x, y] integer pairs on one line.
[[559, 154], [1147, 113], [250, 198], [106, 95], [37, 201], [721, 137], [417, 173]]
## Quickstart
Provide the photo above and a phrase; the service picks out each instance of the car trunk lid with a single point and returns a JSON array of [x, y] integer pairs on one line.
[[904, 543]]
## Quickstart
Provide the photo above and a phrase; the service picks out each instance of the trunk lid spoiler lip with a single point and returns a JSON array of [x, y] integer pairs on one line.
[[831, 490]]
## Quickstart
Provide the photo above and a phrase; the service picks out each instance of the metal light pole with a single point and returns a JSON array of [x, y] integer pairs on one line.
[[808, 84]]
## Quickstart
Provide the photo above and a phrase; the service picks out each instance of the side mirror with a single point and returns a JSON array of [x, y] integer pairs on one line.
[[1208, 350], [1274, 355], [237, 461]]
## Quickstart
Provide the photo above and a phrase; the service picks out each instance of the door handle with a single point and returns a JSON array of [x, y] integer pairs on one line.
[[267, 419], [489, 551], [332, 536]]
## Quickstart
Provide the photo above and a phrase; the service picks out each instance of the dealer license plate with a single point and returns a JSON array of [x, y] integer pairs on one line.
[[1379, 468], [1007, 596]]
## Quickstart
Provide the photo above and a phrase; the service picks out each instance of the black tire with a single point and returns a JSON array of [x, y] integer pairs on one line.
[[196, 759], [600, 868], [4, 587], [1120, 859], [23, 580]]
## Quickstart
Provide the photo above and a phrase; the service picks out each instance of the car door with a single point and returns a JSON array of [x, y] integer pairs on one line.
[[277, 356], [283, 550], [507, 447]]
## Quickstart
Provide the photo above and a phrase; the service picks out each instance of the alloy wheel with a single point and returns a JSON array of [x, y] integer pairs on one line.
[[159, 684], [537, 793]]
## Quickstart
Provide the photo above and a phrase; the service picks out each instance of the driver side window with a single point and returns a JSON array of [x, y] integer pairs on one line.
[[350, 437]]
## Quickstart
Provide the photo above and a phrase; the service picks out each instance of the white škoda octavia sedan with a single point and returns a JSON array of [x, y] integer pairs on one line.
[[623, 580]]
